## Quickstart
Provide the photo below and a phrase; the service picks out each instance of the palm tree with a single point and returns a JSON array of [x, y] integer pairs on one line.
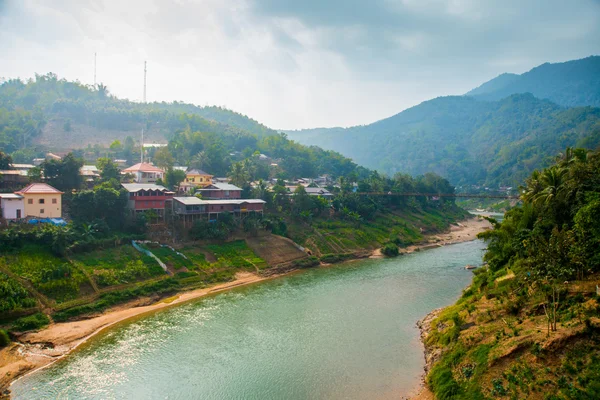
[[238, 174], [552, 180]]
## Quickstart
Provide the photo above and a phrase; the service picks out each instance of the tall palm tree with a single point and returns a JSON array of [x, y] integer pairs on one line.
[[238, 174]]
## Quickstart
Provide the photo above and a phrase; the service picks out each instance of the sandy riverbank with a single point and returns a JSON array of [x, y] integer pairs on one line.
[[39, 349]]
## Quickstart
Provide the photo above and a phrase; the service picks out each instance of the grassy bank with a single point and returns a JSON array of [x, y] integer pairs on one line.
[[494, 343], [34, 279], [325, 236]]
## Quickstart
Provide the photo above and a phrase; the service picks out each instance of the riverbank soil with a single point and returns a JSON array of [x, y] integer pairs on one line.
[[38, 349]]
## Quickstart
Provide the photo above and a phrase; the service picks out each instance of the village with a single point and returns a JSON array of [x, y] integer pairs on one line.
[[199, 195]]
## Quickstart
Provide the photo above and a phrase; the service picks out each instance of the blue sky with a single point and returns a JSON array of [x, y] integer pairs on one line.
[[294, 64]]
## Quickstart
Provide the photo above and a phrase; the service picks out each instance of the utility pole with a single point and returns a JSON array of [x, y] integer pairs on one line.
[[142, 146]]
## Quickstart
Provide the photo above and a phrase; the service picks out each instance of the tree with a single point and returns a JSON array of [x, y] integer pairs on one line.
[[173, 177], [35, 174], [116, 147], [108, 169], [102, 90], [5, 161], [551, 267], [63, 174], [238, 175], [163, 158]]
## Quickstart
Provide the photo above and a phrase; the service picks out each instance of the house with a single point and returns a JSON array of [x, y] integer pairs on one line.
[[219, 191], [144, 173], [12, 206], [147, 196], [312, 191], [121, 163], [42, 200], [13, 177], [316, 191], [195, 178], [190, 207]]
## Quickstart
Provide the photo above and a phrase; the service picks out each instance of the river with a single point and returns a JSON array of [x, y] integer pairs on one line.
[[346, 331]]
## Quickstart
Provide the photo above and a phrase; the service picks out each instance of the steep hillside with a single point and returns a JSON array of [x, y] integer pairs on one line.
[[69, 112], [572, 83], [465, 140]]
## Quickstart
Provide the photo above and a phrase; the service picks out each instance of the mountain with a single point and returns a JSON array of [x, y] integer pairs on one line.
[[571, 83], [464, 139], [62, 113]]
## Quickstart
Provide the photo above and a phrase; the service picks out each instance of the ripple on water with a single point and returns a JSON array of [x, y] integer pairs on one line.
[[341, 332]]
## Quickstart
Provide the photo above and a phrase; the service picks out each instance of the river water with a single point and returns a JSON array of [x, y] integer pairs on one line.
[[344, 332]]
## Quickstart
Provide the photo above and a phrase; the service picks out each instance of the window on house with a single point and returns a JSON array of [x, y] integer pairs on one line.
[[41, 201], [53, 201], [29, 201], [41, 210], [221, 207]]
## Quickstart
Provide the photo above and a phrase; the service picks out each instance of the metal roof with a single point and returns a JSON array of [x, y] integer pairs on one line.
[[196, 171], [194, 201], [10, 196], [136, 187], [143, 167], [221, 186]]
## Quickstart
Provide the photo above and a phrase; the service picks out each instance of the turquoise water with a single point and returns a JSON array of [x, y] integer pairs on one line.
[[345, 332]]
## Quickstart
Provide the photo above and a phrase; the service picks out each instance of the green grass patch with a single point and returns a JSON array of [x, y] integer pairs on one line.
[[236, 254], [13, 296], [119, 265], [31, 322], [52, 276]]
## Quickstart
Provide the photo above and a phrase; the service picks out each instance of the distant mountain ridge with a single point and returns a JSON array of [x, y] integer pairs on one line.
[[465, 140], [571, 84], [497, 133]]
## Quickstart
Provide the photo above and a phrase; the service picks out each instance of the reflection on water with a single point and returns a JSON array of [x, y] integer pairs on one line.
[[342, 332]]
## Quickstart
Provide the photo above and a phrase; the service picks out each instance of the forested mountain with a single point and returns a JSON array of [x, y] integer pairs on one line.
[[465, 140], [572, 83], [65, 113]]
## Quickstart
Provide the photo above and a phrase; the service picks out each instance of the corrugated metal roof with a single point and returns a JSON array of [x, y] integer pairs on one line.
[[221, 186], [10, 196], [194, 201], [196, 171], [136, 187]]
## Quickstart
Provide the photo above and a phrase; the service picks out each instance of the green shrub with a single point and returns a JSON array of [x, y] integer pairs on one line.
[[4, 338], [390, 250], [308, 262], [335, 258], [31, 322]]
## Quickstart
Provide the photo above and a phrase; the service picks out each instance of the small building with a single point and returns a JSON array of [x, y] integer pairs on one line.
[[12, 206], [41, 200], [144, 173], [220, 191], [190, 208], [197, 178], [147, 196], [121, 163], [13, 178]]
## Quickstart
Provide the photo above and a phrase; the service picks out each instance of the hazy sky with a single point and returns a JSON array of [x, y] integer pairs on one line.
[[293, 63]]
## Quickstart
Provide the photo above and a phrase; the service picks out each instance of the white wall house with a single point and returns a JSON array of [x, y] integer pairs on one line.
[[12, 206]]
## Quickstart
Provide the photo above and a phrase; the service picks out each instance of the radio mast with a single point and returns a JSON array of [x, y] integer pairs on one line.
[[94, 69], [144, 81]]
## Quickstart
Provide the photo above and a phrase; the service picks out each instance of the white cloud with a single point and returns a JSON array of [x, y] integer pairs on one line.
[[293, 64]]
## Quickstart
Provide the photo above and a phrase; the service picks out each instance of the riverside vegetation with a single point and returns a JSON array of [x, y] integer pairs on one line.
[[529, 326]]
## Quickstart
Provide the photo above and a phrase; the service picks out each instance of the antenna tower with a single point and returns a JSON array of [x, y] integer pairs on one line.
[[94, 69], [144, 81]]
